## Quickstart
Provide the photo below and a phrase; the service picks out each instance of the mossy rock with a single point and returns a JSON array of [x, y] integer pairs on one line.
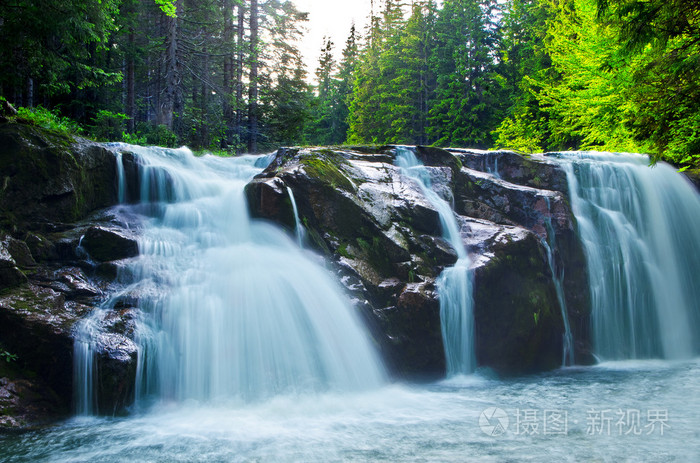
[[519, 327], [49, 177], [326, 166]]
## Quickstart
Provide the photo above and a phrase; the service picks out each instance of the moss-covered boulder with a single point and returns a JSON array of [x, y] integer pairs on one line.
[[384, 238], [518, 321], [49, 177], [49, 185]]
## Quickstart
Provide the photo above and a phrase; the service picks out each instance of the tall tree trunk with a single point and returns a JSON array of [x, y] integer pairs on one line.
[[228, 66], [203, 132], [30, 93], [130, 85], [253, 89], [239, 71], [171, 101]]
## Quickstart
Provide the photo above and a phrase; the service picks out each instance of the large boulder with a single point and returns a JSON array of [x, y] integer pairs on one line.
[[49, 184], [50, 177], [108, 244], [384, 237]]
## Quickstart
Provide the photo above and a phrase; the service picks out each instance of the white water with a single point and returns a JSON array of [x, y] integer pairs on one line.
[[121, 178], [640, 228], [298, 229], [550, 246], [435, 422], [232, 308], [454, 284]]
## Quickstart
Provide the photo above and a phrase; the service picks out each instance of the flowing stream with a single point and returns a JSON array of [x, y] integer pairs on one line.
[[248, 351], [454, 283]]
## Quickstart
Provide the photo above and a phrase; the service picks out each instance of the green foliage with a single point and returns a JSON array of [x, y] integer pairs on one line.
[[107, 125], [134, 139], [150, 134], [8, 357], [622, 76], [464, 109], [168, 7], [48, 119], [50, 44]]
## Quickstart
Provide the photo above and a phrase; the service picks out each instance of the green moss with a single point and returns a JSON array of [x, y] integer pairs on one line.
[[343, 251], [326, 165], [375, 254]]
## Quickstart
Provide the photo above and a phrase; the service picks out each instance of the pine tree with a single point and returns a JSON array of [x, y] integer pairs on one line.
[[325, 127], [463, 111], [346, 78]]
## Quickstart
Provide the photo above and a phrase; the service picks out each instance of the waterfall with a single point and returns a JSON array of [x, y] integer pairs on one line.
[[298, 229], [454, 283], [639, 227], [230, 307], [121, 179], [550, 245]]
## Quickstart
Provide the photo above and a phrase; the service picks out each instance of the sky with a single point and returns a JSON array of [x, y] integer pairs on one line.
[[331, 18]]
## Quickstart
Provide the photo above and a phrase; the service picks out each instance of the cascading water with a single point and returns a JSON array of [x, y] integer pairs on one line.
[[550, 245], [298, 229], [231, 307], [121, 179], [454, 283], [639, 228]]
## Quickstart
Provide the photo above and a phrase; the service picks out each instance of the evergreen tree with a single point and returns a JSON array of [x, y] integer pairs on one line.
[[370, 106], [463, 111], [412, 84], [524, 68], [661, 38], [346, 78], [325, 127]]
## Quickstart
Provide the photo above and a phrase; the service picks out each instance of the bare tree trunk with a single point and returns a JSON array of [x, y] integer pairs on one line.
[[170, 101], [203, 127], [228, 66], [253, 89], [30, 93], [239, 71], [130, 85]]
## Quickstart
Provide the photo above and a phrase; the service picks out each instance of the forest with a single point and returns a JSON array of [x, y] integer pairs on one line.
[[228, 75]]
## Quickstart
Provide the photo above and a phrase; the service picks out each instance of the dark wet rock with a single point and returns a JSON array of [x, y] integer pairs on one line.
[[105, 244], [49, 183], [519, 327], [535, 171], [50, 177], [41, 248], [115, 356], [10, 275], [71, 281], [19, 251], [26, 403], [484, 196], [36, 324], [694, 176], [412, 326], [384, 238]]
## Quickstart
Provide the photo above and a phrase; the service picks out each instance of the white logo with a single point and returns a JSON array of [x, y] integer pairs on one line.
[[493, 421]]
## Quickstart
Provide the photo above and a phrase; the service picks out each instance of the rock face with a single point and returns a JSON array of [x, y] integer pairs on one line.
[[60, 254], [56, 266], [384, 238]]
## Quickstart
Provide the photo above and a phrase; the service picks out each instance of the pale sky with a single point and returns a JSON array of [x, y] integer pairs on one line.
[[331, 18]]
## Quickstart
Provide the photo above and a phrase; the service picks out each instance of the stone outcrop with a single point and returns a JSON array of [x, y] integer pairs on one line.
[[60, 252], [57, 264], [384, 237]]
